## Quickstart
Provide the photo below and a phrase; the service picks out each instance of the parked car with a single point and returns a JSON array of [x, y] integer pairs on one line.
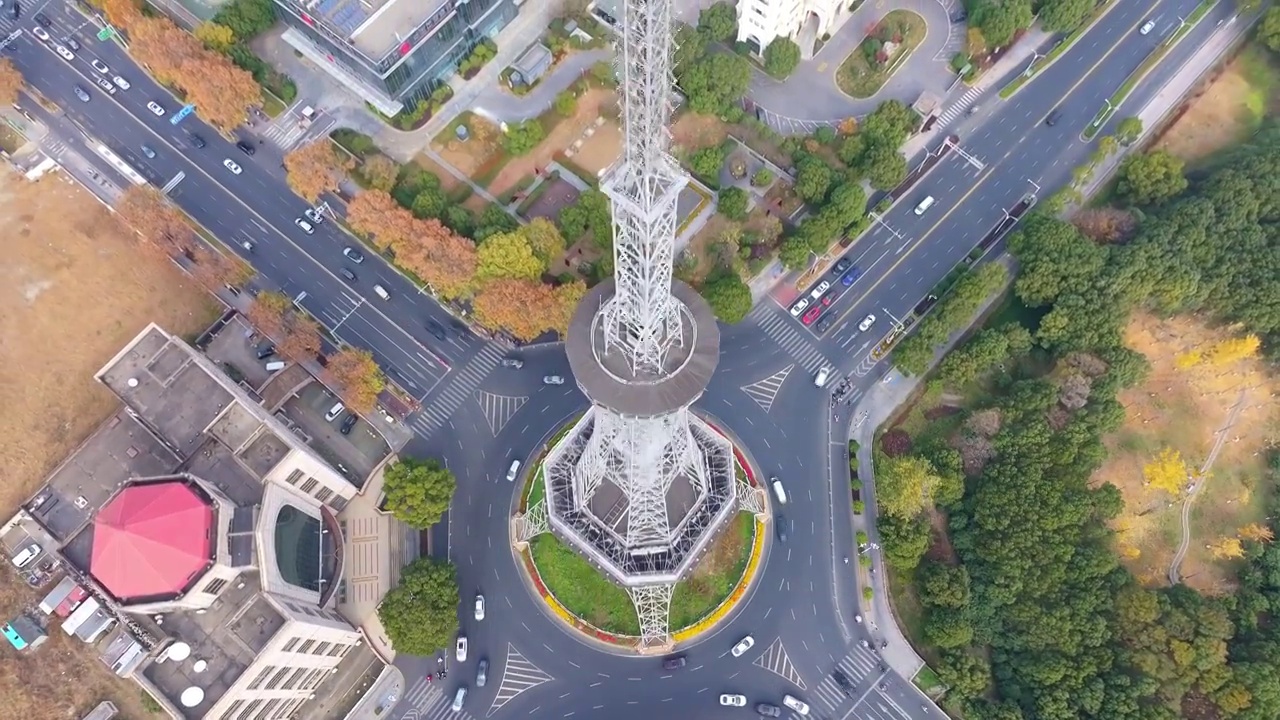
[[812, 315], [819, 289], [799, 307], [348, 423], [460, 650]]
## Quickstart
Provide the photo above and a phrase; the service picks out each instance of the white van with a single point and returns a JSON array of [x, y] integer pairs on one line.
[[513, 471], [381, 292], [459, 698], [28, 554], [924, 205], [275, 365], [334, 412], [778, 490], [821, 379]]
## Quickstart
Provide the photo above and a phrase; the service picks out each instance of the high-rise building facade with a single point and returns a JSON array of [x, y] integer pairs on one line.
[[760, 21]]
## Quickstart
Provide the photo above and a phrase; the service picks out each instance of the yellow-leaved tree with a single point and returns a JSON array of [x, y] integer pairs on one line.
[[1166, 471], [1227, 548], [1257, 532], [1233, 349]]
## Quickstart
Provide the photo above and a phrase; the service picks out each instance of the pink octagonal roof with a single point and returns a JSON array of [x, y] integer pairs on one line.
[[151, 540]]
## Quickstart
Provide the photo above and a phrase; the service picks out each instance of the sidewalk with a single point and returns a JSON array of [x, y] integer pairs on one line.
[[880, 403]]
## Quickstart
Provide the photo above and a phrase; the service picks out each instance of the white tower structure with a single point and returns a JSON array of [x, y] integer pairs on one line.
[[640, 485]]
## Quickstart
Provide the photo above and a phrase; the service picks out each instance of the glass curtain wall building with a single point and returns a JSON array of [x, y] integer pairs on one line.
[[392, 53]]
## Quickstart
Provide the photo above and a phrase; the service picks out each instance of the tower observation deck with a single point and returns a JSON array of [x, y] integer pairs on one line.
[[640, 485]]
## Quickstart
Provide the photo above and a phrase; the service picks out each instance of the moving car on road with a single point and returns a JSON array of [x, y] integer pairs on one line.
[[780, 528], [675, 663], [40, 33], [482, 673], [846, 685], [231, 165], [460, 651], [437, 330], [353, 255], [553, 380], [479, 611], [796, 704], [459, 698], [866, 323], [71, 43], [124, 85], [64, 53], [156, 110], [743, 645], [851, 277], [347, 274], [841, 265], [82, 94], [306, 227], [246, 148], [513, 471], [313, 215], [732, 700], [1147, 27], [767, 710], [146, 150], [43, 20], [106, 86], [512, 362], [100, 66]]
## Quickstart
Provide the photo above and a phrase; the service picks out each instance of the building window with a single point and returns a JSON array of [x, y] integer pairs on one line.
[[292, 644], [337, 502], [294, 477], [294, 680], [309, 485], [215, 586], [324, 494], [306, 647], [337, 650], [322, 648], [277, 678]]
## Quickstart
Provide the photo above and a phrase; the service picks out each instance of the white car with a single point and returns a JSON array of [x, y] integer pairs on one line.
[[99, 66], [743, 645], [1148, 27], [121, 82], [65, 53], [307, 227], [479, 607], [799, 307], [155, 108], [553, 380], [231, 165], [796, 704], [858, 618], [39, 32], [867, 322], [461, 651], [819, 289], [730, 700], [313, 215], [107, 87]]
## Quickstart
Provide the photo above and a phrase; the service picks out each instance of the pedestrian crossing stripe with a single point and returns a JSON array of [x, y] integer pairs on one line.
[[437, 411], [958, 107], [859, 664], [780, 329]]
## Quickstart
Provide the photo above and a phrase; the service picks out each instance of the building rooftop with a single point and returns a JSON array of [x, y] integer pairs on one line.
[[161, 380], [226, 638], [388, 23]]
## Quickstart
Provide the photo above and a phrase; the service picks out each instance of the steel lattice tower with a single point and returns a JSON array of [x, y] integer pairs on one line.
[[640, 485]]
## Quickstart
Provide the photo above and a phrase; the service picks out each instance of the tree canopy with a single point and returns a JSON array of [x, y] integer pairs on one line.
[[728, 296], [418, 491], [715, 82], [420, 614], [781, 57]]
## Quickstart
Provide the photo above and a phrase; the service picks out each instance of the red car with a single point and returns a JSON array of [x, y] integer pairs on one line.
[[812, 315]]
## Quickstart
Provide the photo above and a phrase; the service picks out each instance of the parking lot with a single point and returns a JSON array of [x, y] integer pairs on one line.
[[356, 453], [235, 350], [21, 534]]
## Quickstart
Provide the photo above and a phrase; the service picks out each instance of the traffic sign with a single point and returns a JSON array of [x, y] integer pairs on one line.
[[106, 33], [185, 111]]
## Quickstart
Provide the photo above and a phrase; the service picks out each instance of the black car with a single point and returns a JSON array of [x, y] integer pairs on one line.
[[1053, 118], [824, 323], [197, 141], [348, 423], [767, 710], [350, 276], [674, 663], [841, 265], [246, 148], [846, 685], [437, 330], [780, 528], [923, 306], [266, 351], [69, 41], [43, 21], [15, 10]]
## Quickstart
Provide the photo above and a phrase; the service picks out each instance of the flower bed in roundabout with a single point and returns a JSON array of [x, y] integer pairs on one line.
[[585, 599]]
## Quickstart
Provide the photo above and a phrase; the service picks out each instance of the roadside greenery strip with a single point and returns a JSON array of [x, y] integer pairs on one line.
[[1057, 50], [563, 613], [1147, 65]]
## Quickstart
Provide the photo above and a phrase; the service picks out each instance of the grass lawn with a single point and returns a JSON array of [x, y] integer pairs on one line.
[[927, 680], [11, 139], [865, 71], [585, 591]]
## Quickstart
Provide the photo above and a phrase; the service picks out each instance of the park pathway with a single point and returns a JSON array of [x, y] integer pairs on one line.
[[1197, 483]]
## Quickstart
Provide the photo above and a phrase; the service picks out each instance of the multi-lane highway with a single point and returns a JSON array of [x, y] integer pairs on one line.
[[478, 416]]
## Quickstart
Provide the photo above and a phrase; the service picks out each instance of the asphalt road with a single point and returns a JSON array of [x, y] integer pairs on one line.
[[478, 418]]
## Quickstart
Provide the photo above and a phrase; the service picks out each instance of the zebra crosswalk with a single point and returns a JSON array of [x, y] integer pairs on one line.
[[437, 411], [428, 701], [857, 665], [957, 107], [783, 331]]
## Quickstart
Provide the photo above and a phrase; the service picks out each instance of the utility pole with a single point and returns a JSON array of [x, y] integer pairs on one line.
[[975, 162], [1031, 65], [898, 325], [876, 218]]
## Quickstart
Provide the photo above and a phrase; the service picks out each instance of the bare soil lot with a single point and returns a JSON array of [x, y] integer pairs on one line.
[[73, 290], [1184, 409]]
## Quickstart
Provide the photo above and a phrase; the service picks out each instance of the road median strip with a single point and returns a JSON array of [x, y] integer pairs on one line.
[[1057, 51], [1121, 93]]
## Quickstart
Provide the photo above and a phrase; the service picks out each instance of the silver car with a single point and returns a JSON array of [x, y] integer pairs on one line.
[[553, 380], [482, 673]]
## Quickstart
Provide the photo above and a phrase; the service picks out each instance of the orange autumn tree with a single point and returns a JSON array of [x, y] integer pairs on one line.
[[524, 308], [377, 216], [146, 211], [567, 298], [222, 92], [295, 335], [121, 13], [212, 270], [315, 168], [449, 264], [358, 378], [11, 82]]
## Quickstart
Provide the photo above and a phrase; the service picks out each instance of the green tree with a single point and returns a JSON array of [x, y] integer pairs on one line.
[[965, 674], [890, 124], [715, 83], [507, 255], [762, 177], [794, 253], [691, 46], [884, 167], [418, 491], [781, 57], [430, 203], [732, 203], [523, 137], [942, 585], [1061, 16], [246, 18], [813, 178], [565, 103], [905, 485], [1269, 29], [706, 162], [492, 221], [904, 542], [1152, 177], [999, 20], [719, 22], [545, 241], [1129, 130], [728, 296], [420, 614], [1055, 258], [947, 628]]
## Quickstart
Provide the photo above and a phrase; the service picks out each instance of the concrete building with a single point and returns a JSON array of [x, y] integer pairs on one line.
[[804, 21], [391, 53], [207, 523]]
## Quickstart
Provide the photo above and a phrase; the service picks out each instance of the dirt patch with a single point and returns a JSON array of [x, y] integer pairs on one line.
[[1226, 110], [558, 195], [75, 290], [703, 248], [600, 150], [592, 104], [583, 252], [1184, 409], [468, 155], [692, 131]]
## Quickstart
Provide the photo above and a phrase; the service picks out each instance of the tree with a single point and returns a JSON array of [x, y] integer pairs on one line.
[[507, 255], [1063, 16], [523, 137], [450, 263], [964, 674], [380, 172], [268, 311], [999, 21], [1167, 471], [728, 296], [214, 270], [947, 628], [495, 219], [1106, 225], [942, 585], [905, 485], [715, 83], [147, 212], [565, 103], [431, 202], [1234, 349], [218, 38], [813, 179], [795, 253], [732, 203], [719, 22], [1129, 130], [884, 167], [706, 162], [904, 541], [315, 168], [358, 378], [418, 491], [691, 46], [762, 177], [1150, 178], [1257, 532], [1227, 548], [247, 18], [11, 82], [545, 241], [589, 213], [295, 335], [420, 614], [525, 308], [781, 57], [1269, 29], [121, 13], [377, 216]]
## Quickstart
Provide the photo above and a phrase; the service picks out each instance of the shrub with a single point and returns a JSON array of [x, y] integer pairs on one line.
[[762, 177]]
